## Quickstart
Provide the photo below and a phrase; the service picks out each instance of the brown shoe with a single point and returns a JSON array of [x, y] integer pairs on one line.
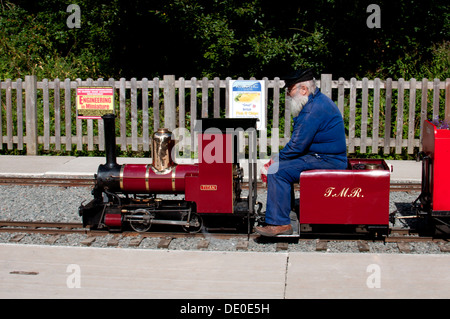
[[273, 230]]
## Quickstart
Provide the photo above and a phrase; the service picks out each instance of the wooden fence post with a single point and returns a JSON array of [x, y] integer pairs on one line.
[[169, 102], [31, 114], [325, 84]]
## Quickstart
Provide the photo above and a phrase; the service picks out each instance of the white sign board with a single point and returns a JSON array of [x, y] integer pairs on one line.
[[247, 100]]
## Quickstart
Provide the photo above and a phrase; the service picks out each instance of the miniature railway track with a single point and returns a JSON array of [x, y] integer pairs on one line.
[[405, 187], [47, 181], [403, 237], [73, 228], [89, 182], [41, 227]]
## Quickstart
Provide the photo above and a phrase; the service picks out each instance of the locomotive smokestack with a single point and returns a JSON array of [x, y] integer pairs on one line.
[[110, 139], [108, 174]]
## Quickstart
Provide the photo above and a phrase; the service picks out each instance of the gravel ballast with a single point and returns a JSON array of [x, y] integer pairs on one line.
[[60, 204]]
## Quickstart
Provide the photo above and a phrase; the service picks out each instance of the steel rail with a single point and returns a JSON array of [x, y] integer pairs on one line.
[[68, 228], [47, 181], [41, 227], [396, 234]]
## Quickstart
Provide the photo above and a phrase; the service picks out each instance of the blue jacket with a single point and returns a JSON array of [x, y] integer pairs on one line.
[[318, 129]]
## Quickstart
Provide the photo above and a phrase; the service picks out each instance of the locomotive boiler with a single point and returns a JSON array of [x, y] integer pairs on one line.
[[135, 195]]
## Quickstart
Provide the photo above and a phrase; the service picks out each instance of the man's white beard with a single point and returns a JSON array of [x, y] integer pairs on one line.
[[296, 103]]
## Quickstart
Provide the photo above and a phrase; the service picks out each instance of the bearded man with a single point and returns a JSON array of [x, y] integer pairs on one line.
[[317, 142]]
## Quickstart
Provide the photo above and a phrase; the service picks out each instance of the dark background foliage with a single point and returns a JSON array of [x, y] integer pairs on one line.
[[144, 38]]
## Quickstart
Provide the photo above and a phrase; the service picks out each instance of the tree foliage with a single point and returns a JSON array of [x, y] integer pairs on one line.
[[147, 38], [35, 39]]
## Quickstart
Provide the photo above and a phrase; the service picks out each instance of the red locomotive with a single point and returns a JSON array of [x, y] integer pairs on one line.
[[433, 202], [127, 195]]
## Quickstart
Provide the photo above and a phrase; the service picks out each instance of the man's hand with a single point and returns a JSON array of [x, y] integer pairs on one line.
[[264, 170]]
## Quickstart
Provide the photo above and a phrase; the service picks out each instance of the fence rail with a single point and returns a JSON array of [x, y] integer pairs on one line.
[[379, 115]]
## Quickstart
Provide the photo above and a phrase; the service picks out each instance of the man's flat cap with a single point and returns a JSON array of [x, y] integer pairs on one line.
[[297, 76]]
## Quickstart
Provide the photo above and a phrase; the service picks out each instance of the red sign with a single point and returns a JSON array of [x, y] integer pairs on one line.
[[94, 102]]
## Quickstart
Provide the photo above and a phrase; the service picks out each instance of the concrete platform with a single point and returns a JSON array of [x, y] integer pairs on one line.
[[128, 273], [54, 166], [86, 167], [406, 171], [29, 271], [368, 276]]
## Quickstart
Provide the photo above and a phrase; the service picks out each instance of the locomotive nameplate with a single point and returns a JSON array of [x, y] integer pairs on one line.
[[208, 187]]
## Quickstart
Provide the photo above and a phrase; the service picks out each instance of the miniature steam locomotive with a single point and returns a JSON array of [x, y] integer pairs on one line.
[[130, 195]]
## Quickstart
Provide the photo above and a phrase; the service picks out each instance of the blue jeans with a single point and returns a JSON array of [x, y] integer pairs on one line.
[[282, 174]]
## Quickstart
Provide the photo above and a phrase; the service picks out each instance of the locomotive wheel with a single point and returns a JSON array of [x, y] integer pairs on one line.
[[195, 224], [141, 220]]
